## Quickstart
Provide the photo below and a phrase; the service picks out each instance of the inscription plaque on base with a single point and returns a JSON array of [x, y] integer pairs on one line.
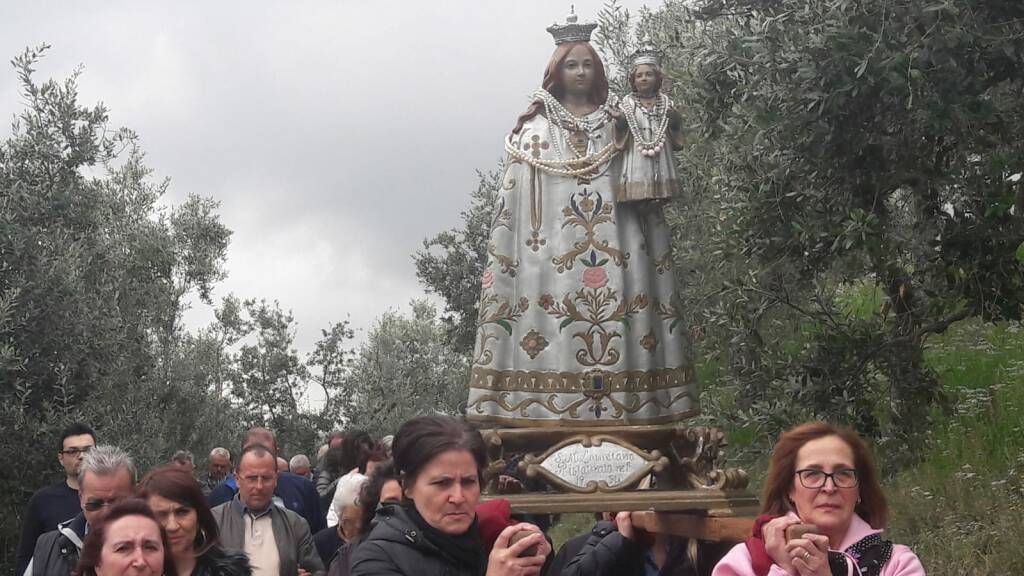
[[593, 464], [582, 465]]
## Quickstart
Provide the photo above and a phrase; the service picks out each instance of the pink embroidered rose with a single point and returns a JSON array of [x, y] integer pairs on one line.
[[595, 277], [487, 280]]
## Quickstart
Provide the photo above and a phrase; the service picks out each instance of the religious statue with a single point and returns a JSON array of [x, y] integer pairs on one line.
[[648, 168], [577, 322]]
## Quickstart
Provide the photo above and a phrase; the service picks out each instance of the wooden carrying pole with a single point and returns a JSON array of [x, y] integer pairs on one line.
[[735, 529]]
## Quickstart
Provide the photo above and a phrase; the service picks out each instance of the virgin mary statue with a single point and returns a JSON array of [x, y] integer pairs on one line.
[[576, 324]]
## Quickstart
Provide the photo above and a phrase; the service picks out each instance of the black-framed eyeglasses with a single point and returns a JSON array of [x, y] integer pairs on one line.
[[76, 451], [842, 478]]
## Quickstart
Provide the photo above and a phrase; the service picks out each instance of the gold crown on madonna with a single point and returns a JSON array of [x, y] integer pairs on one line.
[[572, 30], [647, 54]]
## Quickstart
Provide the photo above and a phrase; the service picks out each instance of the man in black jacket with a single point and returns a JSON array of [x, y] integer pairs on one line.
[[106, 475], [57, 503], [616, 548]]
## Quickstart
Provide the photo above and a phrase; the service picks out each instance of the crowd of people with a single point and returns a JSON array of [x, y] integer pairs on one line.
[[411, 505]]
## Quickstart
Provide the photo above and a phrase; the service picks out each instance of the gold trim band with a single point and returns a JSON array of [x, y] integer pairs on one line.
[[570, 423], [574, 382]]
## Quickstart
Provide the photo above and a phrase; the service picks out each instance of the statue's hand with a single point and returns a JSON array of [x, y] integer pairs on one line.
[[509, 485]]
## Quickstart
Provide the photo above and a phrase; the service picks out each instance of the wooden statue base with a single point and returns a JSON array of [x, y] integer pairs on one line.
[[677, 457], [674, 486]]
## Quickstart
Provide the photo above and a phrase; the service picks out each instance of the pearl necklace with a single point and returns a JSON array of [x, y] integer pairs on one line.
[[558, 114], [584, 166], [657, 117], [561, 120]]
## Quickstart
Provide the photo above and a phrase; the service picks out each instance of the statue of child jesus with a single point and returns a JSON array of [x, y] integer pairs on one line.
[[648, 168]]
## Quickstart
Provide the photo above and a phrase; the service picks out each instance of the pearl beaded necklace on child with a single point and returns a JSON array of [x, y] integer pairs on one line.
[[657, 117]]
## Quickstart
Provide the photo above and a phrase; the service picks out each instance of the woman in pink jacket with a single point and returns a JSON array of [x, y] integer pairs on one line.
[[823, 476]]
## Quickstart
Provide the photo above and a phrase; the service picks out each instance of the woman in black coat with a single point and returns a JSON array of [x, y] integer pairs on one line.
[[434, 530]]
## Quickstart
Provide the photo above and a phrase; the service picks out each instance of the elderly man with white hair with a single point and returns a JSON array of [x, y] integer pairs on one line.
[[345, 519], [219, 468], [299, 464]]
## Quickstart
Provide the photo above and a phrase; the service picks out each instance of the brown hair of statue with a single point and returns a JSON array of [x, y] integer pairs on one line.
[[782, 472], [553, 81]]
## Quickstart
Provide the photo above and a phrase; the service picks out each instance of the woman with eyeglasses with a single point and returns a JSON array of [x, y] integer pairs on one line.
[[823, 512]]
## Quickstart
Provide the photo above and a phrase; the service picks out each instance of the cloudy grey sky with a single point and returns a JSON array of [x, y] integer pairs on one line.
[[335, 134]]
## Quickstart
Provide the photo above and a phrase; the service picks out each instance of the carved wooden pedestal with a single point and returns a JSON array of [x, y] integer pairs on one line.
[[604, 469]]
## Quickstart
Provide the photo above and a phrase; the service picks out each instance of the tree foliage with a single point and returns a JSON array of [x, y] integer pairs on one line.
[[452, 262], [270, 382], [405, 368], [836, 149], [93, 271]]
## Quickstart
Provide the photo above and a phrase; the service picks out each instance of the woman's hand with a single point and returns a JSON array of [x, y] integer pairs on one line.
[[809, 555], [505, 560], [774, 533]]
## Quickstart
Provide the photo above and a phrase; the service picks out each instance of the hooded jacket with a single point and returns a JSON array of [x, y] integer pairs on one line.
[[606, 552], [396, 547], [57, 551]]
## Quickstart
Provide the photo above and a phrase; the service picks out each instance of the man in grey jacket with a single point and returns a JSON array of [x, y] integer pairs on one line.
[[277, 540]]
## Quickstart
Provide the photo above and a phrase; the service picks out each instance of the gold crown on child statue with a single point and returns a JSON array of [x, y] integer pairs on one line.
[[647, 54], [571, 31]]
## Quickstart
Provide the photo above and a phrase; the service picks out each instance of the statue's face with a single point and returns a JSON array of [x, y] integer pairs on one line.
[[578, 71], [644, 78]]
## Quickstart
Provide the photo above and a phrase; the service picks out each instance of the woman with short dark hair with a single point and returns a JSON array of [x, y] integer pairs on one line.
[[383, 487], [177, 501], [129, 539], [823, 512], [434, 530]]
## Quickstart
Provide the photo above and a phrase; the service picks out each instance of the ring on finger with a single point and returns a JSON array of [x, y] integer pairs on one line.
[[806, 556]]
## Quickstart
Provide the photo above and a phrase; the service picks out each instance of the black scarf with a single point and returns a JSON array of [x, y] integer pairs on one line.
[[871, 554], [466, 549]]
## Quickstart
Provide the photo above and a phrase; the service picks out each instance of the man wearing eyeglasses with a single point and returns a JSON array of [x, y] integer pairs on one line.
[[276, 539], [58, 502], [105, 476]]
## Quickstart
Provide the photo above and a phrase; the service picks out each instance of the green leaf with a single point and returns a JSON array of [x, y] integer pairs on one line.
[[1020, 252], [565, 323], [504, 324], [863, 66]]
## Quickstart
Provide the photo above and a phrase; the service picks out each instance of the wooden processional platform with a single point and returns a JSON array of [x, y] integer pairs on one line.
[[670, 476]]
